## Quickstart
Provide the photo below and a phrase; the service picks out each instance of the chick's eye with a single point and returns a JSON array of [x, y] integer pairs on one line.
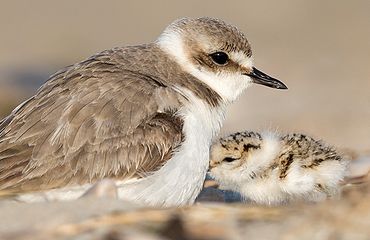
[[220, 58], [229, 159]]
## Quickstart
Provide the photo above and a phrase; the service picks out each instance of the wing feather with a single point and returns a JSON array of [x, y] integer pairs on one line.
[[92, 120]]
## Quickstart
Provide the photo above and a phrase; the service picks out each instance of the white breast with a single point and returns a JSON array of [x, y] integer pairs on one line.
[[180, 180]]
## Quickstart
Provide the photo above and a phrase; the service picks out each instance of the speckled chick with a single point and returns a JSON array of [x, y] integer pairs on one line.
[[272, 169]]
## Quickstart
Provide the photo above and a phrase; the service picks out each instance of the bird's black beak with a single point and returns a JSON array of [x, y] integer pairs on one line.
[[264, 79]]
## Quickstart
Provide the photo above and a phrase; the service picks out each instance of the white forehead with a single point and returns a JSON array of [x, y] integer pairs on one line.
[[240, 58]]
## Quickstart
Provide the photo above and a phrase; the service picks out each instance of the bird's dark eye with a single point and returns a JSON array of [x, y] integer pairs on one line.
[[229, 159], [220, 58]]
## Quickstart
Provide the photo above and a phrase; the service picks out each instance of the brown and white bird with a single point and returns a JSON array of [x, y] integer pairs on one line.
[[272, 169], [142, 115]]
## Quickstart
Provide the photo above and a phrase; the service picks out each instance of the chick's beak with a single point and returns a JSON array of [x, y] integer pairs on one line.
[[264, 79]]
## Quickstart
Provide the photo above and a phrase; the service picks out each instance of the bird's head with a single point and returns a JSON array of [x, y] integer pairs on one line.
[[216, 53], [242, 157]]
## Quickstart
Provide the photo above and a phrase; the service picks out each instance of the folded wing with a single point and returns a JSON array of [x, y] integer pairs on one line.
[[90, 121]]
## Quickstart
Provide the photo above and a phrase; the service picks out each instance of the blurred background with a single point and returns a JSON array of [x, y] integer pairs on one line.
[[320, 49]]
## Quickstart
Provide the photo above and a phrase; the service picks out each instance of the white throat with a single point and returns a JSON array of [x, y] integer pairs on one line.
[[228, 85]]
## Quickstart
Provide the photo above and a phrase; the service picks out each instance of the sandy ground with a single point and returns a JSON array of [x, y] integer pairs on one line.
[[346, 217]]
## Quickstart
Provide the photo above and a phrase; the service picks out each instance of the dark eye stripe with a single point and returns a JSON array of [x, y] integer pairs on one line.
[[229, 159]]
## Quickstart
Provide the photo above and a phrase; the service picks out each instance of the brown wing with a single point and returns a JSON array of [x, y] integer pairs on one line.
[[90, 121]]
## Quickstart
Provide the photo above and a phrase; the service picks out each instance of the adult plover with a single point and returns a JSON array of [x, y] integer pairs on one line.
[[142, 115], [271, 169]]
